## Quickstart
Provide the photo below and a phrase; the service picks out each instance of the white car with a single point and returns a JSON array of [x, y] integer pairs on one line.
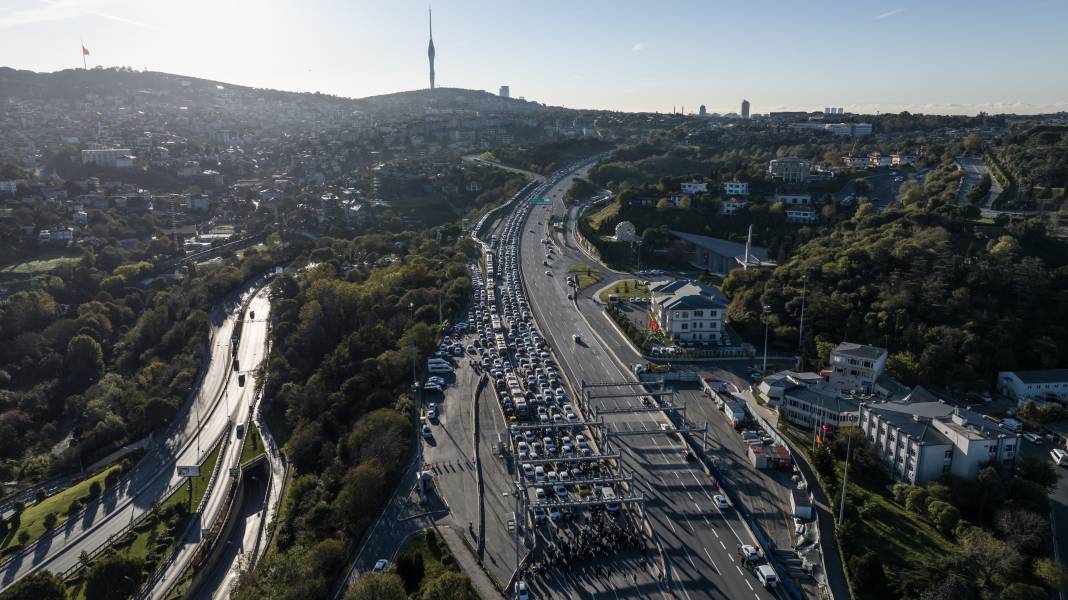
[[720, 501], [549, 273], [380, 566], [1034, 438], [528, 471]]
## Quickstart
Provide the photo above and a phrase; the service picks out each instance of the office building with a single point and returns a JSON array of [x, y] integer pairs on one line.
[[702, 111], [790, 170], [1044, 385], [745, 109], [855, 367], [921, 438], [688, 311], [736, 188], [107, 157], [505, 92]]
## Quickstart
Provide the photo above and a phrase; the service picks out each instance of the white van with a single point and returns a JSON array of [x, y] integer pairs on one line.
[[438, 368], [609, 496], [767, 577], [1060, 457]]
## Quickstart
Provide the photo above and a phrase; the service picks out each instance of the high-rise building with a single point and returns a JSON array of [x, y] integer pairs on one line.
[[430, 48], [745, 109], [505, 92], [702, 111]]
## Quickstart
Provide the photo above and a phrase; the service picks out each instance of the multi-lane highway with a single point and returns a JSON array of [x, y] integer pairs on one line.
[[699, 538], [219, 400]]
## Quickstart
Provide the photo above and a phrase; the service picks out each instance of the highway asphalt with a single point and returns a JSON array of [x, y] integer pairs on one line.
[[699, 539], [155, 474]]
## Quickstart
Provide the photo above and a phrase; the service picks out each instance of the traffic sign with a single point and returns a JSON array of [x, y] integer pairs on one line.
[[539, 200], [190, 471]]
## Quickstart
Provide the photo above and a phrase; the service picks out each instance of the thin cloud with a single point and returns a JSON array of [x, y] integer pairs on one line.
[[638, 47], [58, 10], [889, 14]]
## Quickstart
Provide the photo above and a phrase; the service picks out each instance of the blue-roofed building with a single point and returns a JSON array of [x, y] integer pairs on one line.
[[722, 256]]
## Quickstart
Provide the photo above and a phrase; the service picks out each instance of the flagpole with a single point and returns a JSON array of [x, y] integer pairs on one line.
[[84, 66]]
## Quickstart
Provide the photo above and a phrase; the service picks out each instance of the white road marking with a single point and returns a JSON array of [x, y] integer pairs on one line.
[[746, 580], [710, 559]]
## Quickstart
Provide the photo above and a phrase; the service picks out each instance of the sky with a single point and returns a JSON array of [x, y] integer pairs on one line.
[[931, 56]]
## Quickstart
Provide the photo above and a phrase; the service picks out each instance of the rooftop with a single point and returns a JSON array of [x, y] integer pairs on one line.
[[722, 247], [1042, 376], [859, 350]]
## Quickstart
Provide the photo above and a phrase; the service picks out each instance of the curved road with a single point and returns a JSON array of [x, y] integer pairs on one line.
[[155, 475]]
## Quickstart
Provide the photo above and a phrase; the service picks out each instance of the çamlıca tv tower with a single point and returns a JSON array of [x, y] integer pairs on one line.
[[430, 48]]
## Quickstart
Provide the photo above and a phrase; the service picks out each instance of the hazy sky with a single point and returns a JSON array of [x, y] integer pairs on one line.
[[944, 56]]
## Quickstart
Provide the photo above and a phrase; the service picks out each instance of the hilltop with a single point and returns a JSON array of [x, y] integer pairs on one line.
[[75, 84]]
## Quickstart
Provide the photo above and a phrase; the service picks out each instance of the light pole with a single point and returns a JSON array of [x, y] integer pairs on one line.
[[801, 328], [767, 311], [411, 313], [845, 481]]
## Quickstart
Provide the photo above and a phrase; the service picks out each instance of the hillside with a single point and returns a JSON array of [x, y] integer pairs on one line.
[[73, 84]]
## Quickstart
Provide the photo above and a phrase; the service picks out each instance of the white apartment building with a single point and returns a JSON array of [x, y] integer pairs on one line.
[[879, 160], [819, 406], [856, 366], [1043, 385], [732, 205], [790, 170], [795, 199], [694, 187], [801, 214], [736, 188], [107, 157], [901, 159], [924, 440], [689, 312]]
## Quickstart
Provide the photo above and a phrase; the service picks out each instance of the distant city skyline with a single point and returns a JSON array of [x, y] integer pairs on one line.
[[630, 55]]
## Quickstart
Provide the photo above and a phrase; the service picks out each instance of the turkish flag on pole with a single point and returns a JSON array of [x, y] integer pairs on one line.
[[85, 51]]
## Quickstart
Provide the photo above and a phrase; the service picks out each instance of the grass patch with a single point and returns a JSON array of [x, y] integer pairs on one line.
[[155, 536], [901, 539], [434, 554], [43, 264], [33, 518], [585, 274], [252, 447], [609, 211], [625, 288]]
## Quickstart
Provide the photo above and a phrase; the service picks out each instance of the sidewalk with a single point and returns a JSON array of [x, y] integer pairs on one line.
[[461, 552]]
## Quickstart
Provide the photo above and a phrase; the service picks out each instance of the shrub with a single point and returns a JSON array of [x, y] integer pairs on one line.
[[94, 489], [901, 492], [916, 501], [24, 536], [50, 520]]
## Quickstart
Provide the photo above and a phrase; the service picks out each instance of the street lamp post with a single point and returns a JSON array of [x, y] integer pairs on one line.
[[801, 328], [411, 313], [767, 312]]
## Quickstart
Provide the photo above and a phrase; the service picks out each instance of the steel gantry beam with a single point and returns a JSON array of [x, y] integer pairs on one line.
[[597, 384], [657, 393], [634, 499], [599, 424], [526, 484], [613, 433], [562, 459], [637, 409]]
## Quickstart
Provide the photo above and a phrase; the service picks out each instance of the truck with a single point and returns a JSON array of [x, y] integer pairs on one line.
[[767, 577], [609, 496], [650, 368]]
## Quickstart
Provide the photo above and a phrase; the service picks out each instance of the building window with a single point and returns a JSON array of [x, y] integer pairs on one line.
[[685, 326], [946, 468], [698, 313], [949, 454]]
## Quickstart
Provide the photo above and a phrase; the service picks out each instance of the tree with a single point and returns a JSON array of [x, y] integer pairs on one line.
[[112, 576], [916, 501], [3, 528], [384, 586], [94, 489], [869, 577], [24, 536], [1025, 530], [42, 585], [905, 366], [945, 516], [1037, 470], [988, 556], [450, 585], [50, 520], [1023, 591], [410, 569], [663, 204], [972, 143], [85, 361], [901, 492], [1051, 574]]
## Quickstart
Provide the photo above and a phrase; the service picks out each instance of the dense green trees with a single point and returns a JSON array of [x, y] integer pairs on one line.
[[339, 377], [112, 576], [42, 585], [952, 305]]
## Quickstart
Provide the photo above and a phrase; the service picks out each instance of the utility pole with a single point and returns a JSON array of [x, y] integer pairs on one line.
[[801, 328], [411, 313], [845, 481], [767, 312]]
